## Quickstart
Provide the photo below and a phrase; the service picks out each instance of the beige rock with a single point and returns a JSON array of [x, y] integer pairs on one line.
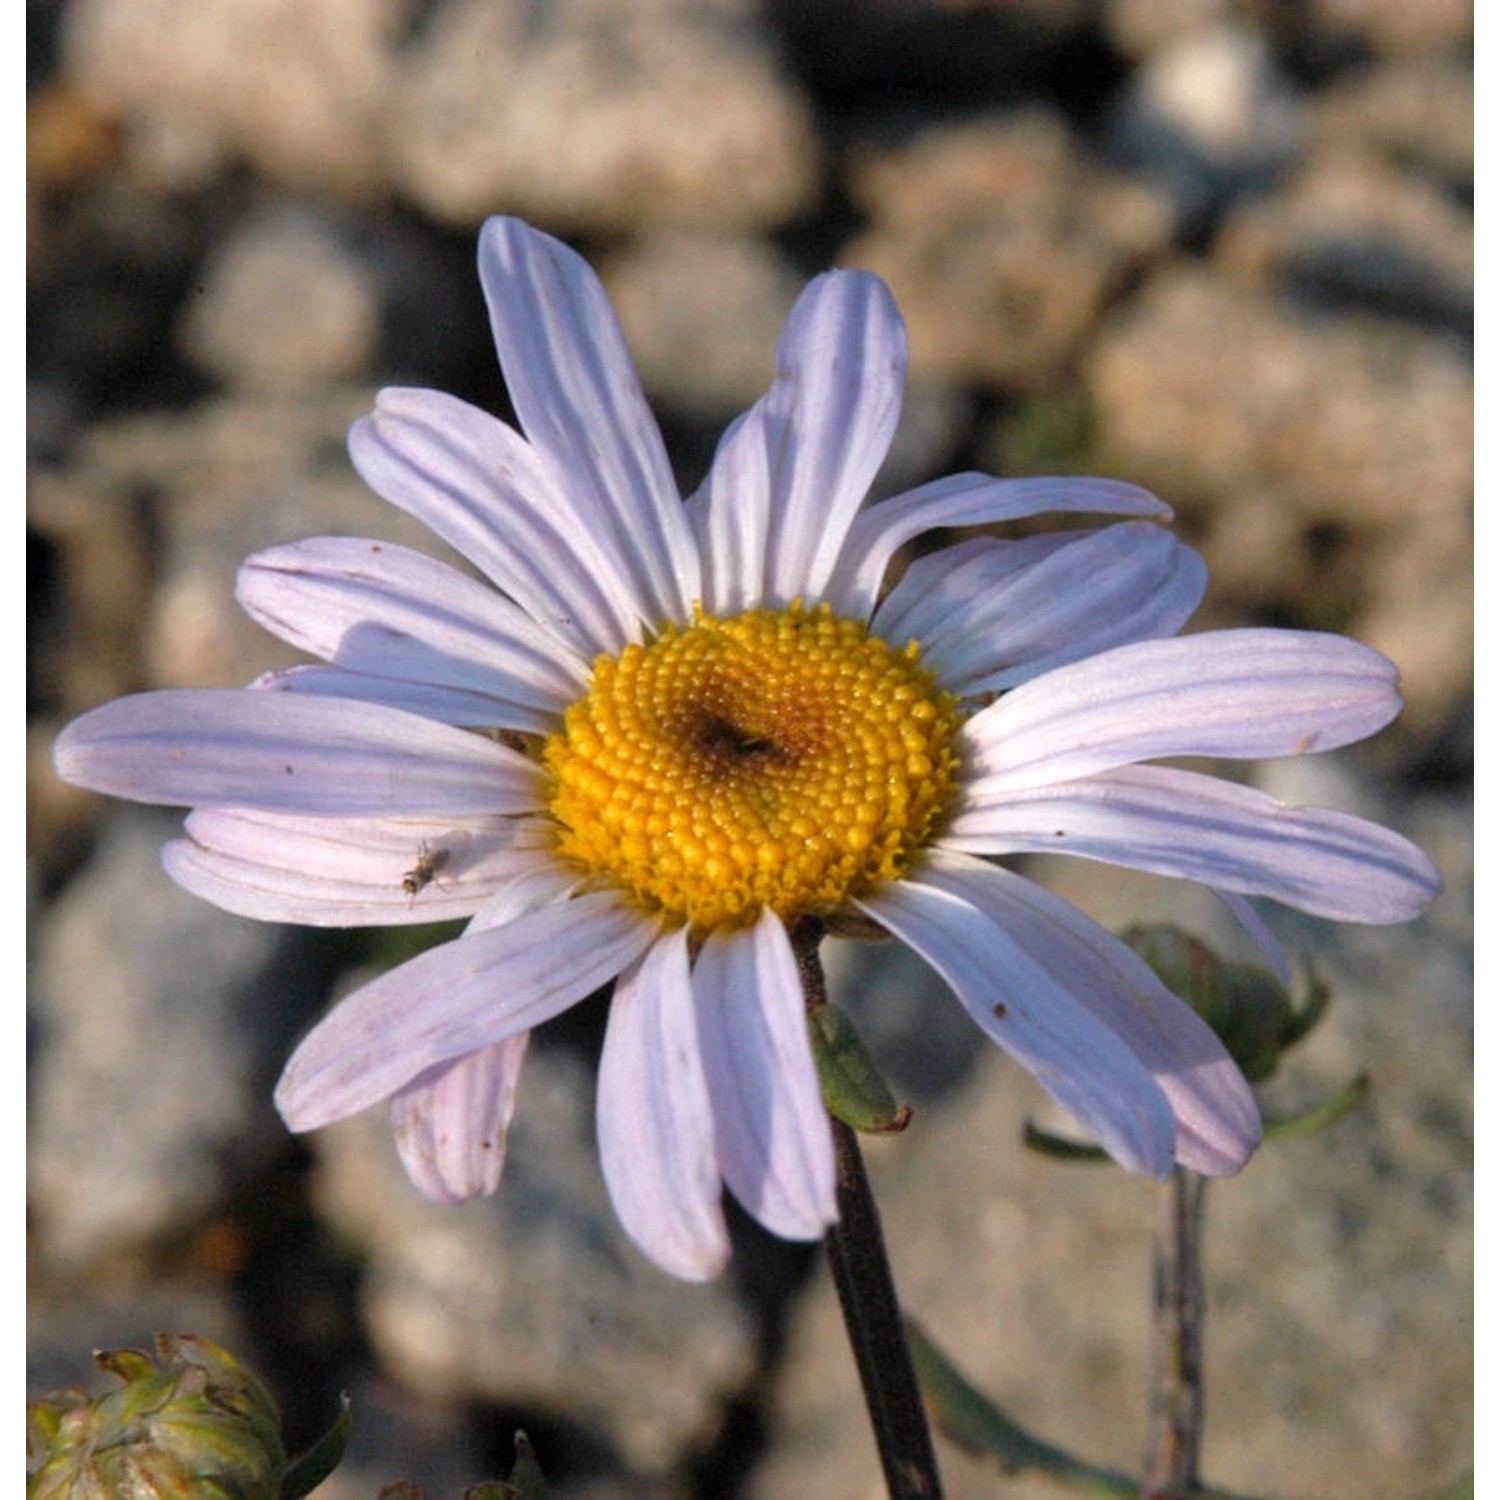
[[297, 87], [1001, 244], [600, 117]]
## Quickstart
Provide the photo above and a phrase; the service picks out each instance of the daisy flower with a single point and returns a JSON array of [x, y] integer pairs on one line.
[[659, 743]]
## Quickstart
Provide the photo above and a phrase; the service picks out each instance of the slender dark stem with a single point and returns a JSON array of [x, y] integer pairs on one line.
[[872, 1313], [1176, 1433]]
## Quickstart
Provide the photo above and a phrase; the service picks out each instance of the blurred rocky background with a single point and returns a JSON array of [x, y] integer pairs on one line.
[[1224, 250]]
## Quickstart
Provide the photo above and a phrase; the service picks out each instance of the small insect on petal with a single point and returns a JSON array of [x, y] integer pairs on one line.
[[432, 860]]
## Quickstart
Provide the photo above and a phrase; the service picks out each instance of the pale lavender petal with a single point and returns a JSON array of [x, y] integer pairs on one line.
[[1003, 972], [328, 756], [1218, 1122], [963, 500], [579, 400], [537, 879], [488, 493], [354, 872], [655, 1121], [774, 1141], [1230, 837], [448, 705], [379, 609], [936, 588], [1245, 694], [455, 999], [731, 518], [828, 419], [1258, 933], [985, 624], [451, 1123]]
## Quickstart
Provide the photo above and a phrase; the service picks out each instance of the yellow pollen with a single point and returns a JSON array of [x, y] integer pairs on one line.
[[782, 758]]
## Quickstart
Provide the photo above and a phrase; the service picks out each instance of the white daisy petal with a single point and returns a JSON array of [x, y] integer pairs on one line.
[[1222, 835], [1008, 978], [376, 608], [774, 1141], [451, 1123], [1237, 693], [963, 500], [455, 999], [655, 1121], [575, 390], [1259, 934], [536, 879], [989, 620], [1218, 1122], [828, 420], [322, 756], [448, 705], [352, 872], [503, 505], [933, 594], [731, 518]]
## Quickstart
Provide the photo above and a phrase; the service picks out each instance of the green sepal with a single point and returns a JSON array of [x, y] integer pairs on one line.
[[853, 1090], [1321, 1115]]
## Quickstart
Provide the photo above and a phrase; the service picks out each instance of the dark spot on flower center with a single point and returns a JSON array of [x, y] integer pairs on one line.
[[726, 740]]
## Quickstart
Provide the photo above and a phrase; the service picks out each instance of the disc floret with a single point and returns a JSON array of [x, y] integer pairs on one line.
[[780, 758]]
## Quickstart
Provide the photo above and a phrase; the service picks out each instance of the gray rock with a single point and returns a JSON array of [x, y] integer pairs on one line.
[[160, 1024], [534, 1298], [113, 1306], [1351, 232], [1208, 116], [923, 1042]]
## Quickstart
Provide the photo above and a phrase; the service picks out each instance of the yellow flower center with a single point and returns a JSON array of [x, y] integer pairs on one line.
[[782, 758]]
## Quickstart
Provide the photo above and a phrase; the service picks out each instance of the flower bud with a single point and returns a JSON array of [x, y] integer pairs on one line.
[[1249, 1009], [193, 1425]]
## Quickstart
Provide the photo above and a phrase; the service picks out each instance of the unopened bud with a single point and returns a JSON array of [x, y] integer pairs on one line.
[[1249, 1009], [194, 1424]]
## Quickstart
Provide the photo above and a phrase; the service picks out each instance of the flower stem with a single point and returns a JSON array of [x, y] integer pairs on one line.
[[1176, 1421], [872, 1314]]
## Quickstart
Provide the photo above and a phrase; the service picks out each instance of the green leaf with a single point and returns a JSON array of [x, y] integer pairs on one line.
[[969, 1418], [303, 1475], [853, 1090], [1061, 1148]]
